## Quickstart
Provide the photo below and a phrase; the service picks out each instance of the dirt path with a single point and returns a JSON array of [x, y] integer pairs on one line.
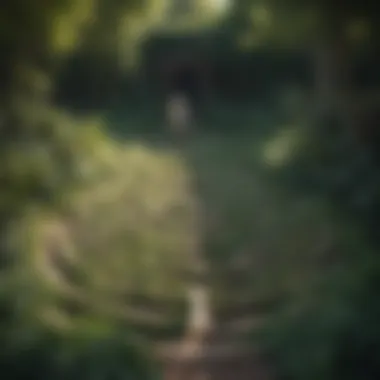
[[216, 362], [224, 356], [226, 353]]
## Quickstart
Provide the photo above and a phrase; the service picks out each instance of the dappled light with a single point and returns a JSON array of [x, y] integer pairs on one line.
[[280, 149], [143, 202], [189, 190]]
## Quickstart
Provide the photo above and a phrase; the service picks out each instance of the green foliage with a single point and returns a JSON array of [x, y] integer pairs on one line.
[[299, 22], [143, 217], [47, 157], [41, 164], [331, 332], [88, 221], [87, 351], [333, 162], [327, 329], [40, 332]]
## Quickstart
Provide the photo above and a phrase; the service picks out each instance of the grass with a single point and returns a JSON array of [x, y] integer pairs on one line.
[[262, 240], [246, 210]]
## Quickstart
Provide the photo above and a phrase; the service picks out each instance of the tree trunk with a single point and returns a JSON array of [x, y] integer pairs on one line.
[[332, 71], [331, 77]]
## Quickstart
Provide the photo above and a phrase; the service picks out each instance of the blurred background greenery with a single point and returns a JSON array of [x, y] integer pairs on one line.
[[102, 216]]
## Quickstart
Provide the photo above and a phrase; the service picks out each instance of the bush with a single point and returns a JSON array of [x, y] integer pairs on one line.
[[331, 333], [86, 352], [330, 329]]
